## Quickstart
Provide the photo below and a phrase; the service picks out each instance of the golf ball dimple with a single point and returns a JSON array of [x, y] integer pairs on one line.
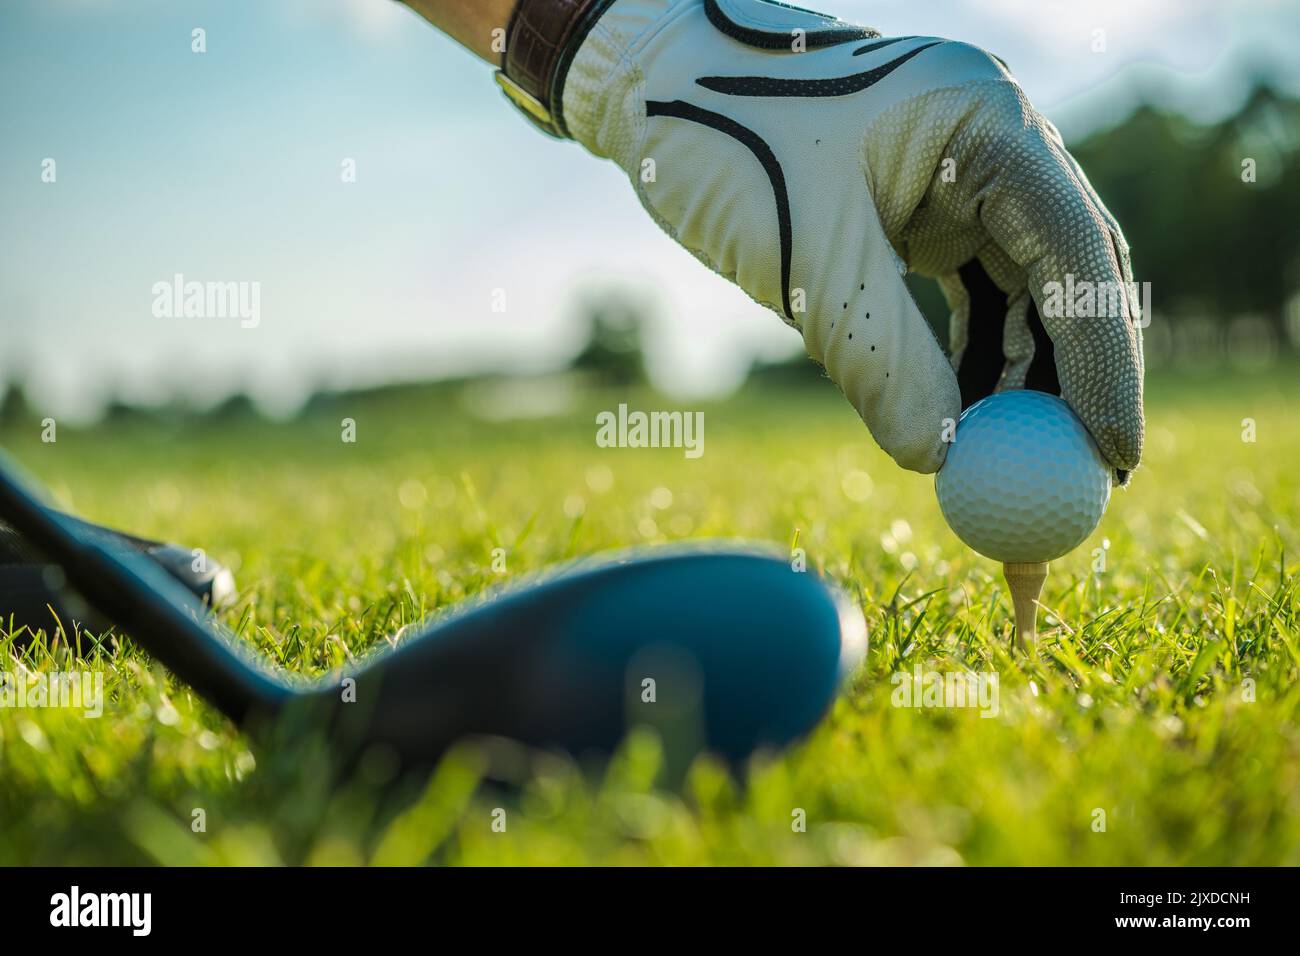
[[1023, 480]]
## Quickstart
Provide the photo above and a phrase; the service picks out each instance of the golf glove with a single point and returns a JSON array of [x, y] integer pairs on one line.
[[814, 163]]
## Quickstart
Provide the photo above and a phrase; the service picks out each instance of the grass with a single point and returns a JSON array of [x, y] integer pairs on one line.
[[1158, 726]]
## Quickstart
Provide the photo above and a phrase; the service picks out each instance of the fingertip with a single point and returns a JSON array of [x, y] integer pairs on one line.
[[924, 456], [1122, 449], [928, 412]]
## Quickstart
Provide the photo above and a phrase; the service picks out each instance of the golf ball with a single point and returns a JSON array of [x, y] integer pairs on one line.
[[1023, 480]]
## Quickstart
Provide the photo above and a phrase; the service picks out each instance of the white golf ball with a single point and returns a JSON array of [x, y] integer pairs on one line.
[[1023, 481]]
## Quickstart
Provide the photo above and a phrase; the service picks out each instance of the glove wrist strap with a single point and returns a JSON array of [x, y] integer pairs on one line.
[[541, 40]]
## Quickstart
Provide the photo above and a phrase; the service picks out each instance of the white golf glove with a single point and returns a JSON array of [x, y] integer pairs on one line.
[[814, 163]]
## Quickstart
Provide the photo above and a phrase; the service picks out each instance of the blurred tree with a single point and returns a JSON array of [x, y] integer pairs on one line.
[[1213, 243], [14, 407], [613, 352]]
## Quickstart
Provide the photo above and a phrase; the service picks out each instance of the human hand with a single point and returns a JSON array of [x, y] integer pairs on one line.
[[814, 163]]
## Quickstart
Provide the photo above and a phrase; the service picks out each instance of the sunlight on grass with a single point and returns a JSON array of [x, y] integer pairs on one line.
[[1163, 700]]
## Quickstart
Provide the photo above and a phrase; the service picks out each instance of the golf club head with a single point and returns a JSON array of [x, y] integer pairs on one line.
[[723, 650]]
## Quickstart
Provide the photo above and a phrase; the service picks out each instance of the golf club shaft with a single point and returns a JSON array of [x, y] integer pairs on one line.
[[148, 605]]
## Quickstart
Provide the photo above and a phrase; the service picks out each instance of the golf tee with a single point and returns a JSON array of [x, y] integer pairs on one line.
[[1025, 580]]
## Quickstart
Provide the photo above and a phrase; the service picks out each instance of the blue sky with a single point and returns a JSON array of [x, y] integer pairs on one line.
[[225, 166]]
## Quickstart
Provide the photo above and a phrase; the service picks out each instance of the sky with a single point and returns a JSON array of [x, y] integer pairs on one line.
[[225, 166]]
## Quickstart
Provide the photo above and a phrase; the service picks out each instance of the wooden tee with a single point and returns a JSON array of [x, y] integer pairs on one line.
[[1025, 579]]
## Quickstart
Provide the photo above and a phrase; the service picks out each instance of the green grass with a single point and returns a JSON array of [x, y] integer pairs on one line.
[[1140, 706]]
